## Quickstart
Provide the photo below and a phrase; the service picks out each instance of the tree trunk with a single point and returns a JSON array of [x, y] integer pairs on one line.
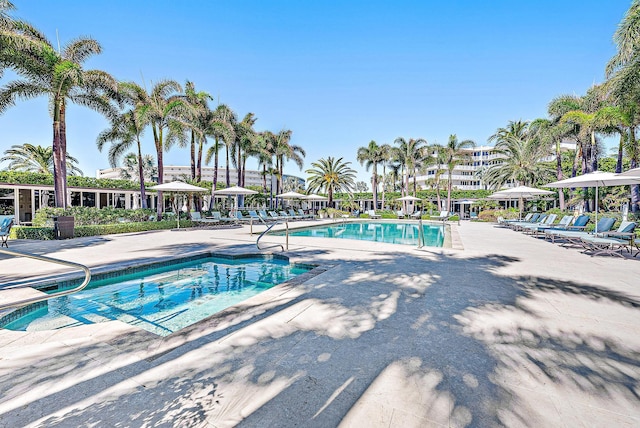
[[193, 155], [620, 152], [214, 185], [143, 194], [384, 176], [59, 156], [157, 137], [559, 174], [635, 189], [228, 172], [374, 187]]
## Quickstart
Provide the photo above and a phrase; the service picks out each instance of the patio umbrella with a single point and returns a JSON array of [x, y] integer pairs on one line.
[[596, 179], [235, 191], [520, 192], [635, 172], [291, 195], [177, 187], [315, 197]]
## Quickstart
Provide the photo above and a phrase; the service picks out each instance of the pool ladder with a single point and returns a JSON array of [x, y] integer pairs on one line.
[[286, 246], [30, 300]]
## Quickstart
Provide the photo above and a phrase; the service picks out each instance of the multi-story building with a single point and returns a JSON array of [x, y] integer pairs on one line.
[[467, 176], [173, 172]]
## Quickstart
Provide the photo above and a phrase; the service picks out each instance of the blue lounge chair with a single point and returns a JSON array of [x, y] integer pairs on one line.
[[6, 222], [546, 222], [578, 225], [197, 217], [570, 237], [611, 243], [561, 225]]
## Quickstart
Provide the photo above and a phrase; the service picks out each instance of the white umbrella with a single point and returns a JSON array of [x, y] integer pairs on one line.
[[177, 187], [595, 179], [520, 192], [408, 198], [235, 191], [291, 195], [315, 197], [635, 172]]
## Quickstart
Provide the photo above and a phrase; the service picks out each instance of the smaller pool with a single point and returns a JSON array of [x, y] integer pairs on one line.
[[388, 232], [161, 300]]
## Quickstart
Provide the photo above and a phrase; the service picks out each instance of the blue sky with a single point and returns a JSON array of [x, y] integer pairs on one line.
[[338, 74]]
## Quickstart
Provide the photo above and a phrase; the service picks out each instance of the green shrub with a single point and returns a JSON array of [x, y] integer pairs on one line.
[[46, 233], [91, 216]]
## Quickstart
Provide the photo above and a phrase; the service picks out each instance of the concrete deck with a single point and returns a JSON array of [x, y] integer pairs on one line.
[[509, 331]]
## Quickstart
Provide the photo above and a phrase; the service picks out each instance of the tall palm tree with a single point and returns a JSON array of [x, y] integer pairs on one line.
[[198, 124], [385, 156], [165, 111], [285, 151], [30, 158], [454, 153], [411, 154], [331, 175], [126, 129], [221, 129], [60, 76], [552, 133], [371, 156]]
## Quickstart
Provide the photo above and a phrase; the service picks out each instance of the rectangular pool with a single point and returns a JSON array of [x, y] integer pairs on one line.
[[388, 232], [162, 300]]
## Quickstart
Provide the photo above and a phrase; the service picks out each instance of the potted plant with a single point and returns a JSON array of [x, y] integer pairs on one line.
[[322, 213]]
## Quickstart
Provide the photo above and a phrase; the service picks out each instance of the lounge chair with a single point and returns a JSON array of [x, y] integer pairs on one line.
[[611, 243], [197, 217], [547, 222], [535, 220], [274, 216], [540, 229], [416, 214], [6, 222], [253, 215], [473, 216], [241, 218], [444, 216], [372, 214], [573, 237], [400, 214], [215, 215], [295, 216], [578, 225], [309, 216], [531, 217]]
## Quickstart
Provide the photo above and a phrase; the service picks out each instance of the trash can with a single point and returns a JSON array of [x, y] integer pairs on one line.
[[63, 227]]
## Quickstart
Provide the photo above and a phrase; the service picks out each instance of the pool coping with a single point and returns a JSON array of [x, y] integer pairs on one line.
[[62, 281]]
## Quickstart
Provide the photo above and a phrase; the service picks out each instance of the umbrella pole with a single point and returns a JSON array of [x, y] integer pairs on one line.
[[596, 208]]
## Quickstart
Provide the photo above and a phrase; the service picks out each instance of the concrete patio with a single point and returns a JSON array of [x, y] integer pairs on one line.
[[502, 329]]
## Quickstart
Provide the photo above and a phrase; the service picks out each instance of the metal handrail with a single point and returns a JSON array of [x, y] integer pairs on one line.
[[420, 233], [24, 302], [267, 230]]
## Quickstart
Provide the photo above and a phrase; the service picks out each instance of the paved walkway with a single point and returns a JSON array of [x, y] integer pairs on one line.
[[509, 331]]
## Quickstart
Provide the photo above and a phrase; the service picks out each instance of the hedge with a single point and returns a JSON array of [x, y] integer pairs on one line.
[[46, 233]]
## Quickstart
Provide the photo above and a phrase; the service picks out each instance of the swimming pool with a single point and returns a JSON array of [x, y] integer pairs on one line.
[[388, 232], [162, 300]]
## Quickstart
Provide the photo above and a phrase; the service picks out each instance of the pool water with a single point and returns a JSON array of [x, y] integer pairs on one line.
[[388, 232], [163, 300]]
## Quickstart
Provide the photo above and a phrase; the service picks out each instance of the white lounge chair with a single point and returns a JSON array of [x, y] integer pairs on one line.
[[372, 214]]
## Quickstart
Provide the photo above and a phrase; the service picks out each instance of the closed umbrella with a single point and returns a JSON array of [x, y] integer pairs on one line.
[[179, 187], [596, 179]]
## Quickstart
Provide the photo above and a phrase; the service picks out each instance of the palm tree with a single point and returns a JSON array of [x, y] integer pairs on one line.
[[331, 175], [126, 130], [198, 124], [221, 128], [371, 156], [385, 156], [523, 156], [164, 110], [410, 154], [453, 154], [60, 76], [283, 150], [131, 169], [30, 158]]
